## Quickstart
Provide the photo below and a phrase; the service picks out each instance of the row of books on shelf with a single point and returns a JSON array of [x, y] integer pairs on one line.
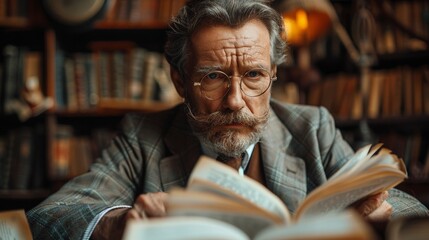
[[141, 11], [13, 9], [22, 158], [83, 80], [411, 147], [72, 153], [385, 34], [21, 86], [391, 15], [402, 91], [414, 149]]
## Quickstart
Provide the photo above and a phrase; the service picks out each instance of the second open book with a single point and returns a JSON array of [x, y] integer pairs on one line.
[[218, 192]]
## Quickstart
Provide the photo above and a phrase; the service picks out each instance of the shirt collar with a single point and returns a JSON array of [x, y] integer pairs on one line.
[[209, 152]]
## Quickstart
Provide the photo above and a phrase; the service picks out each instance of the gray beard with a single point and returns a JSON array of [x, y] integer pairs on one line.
[[229, 143]]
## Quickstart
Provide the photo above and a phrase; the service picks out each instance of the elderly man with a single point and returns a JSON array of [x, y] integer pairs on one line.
[[223, 56]]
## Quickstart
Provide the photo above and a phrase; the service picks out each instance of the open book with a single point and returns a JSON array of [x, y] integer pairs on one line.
[[342, 225], [218, 192], [14, 225]]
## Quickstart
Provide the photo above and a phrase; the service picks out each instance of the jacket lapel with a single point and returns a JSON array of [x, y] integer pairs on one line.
[[285, 174], [185, 150]]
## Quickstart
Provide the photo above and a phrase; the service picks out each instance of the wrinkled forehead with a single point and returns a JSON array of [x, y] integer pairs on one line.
[[219, 43]]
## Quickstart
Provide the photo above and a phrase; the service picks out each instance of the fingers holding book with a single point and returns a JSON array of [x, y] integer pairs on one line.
[[375, 207], [149, 205]]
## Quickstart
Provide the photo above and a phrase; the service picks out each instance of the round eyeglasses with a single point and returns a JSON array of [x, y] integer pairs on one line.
[[216, 84]]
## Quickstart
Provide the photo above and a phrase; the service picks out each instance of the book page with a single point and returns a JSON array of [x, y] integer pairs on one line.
[[181, 228], [14, 225], [360, 157], [182, 199], [344, 196], [371, 175], [249, 223], [342, 225], [208, 169], [248, 218]]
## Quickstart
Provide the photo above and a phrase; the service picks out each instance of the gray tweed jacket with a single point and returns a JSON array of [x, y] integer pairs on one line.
[[301, 149]]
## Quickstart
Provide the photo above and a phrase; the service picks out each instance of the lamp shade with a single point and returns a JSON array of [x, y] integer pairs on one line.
[[306, 20]]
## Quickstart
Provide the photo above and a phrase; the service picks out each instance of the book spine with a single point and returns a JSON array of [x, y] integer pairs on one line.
[[72, 102], [21, 166], [136, 84], [59, 167], [60, 81]]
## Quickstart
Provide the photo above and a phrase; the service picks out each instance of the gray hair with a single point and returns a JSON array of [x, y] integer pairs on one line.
[[232, 13]]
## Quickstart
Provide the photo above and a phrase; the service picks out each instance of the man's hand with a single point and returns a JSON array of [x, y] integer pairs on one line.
[[148, 205], [375, 208], [112, 224]]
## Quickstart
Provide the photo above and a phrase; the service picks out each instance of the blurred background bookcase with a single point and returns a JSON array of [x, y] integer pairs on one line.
[[371, 73], [67, 79], [66, 83]]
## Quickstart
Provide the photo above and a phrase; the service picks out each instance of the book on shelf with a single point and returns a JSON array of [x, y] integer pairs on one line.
[[70, 84], [426, 165], [10, 153], [217, 191], [414, 149], [61, 152], [401, 25], [135, 87], [394, 92], [81, 86], [418, 92], [150, 65], [114, 71], [19, 158], [22, 166], [12, 65], [73, 152], [426, 91], [142, 11], [347, 101]]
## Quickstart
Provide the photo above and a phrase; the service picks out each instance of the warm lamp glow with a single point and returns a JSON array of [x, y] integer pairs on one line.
[[303, 26], [302, 19]]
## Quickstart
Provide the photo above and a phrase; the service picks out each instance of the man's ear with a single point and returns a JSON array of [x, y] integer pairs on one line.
[[274, 69], [178, 82]]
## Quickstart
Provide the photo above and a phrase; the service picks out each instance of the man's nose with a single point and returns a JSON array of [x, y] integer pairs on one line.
[[234, 98]]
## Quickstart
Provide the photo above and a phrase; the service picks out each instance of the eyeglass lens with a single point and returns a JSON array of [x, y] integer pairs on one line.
[[216, 84]]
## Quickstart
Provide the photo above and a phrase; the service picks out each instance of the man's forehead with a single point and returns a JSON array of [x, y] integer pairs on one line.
[[253, 31]]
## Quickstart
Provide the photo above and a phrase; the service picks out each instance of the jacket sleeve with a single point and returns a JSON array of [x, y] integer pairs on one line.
[[326, 152], [402, 203], [111, 181]]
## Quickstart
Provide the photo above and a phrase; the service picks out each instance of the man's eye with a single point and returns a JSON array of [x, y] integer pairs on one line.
[[253, 74], [213, 75]]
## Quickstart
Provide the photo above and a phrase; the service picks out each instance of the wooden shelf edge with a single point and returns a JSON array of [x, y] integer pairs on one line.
[[132, 105], [16, 22], [130, 25], [386, 121], [24, 194], [115, 107]]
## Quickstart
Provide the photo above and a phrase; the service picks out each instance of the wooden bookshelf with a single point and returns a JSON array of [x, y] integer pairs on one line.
[[33, 31], [397, 110]]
